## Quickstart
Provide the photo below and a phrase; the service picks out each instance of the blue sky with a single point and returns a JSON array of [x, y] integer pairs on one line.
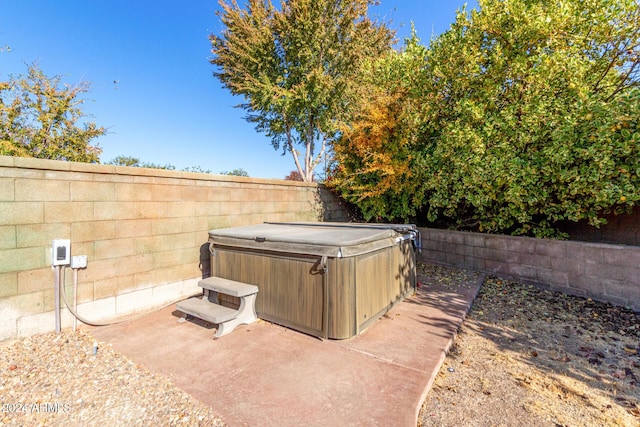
[[151, 80]]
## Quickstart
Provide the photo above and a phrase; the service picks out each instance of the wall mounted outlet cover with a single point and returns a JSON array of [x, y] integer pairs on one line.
[[60, 252], [79, 261]]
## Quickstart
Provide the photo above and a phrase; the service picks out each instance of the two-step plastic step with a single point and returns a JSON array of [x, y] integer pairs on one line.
[[226, 318]]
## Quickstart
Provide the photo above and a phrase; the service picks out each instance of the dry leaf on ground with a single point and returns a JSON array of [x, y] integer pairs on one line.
[[527, 356]]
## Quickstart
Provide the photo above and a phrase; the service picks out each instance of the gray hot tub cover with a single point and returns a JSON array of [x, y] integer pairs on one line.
[[314, 238]]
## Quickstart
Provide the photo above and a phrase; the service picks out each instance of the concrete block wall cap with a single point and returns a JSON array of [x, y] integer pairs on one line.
[[31, 163], [59, 165], [7, 161]]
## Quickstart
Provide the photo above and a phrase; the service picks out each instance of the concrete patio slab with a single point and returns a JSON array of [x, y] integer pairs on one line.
[[266, 375]]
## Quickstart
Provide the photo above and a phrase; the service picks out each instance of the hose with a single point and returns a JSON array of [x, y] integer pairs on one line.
[[94, 323]]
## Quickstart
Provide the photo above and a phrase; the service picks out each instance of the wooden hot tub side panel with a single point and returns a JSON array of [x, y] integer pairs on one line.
[[372, 285], [289, 293], [341, 311], [305, 293], [405, 264], [383, 279], [239, 266]]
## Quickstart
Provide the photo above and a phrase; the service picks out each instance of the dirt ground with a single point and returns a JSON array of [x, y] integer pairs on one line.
[[527, 356]]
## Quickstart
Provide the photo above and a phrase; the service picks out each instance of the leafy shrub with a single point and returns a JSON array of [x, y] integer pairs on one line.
[[522, 114]]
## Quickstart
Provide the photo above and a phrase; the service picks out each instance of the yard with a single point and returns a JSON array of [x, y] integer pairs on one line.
[[524, 356], [527, 356]]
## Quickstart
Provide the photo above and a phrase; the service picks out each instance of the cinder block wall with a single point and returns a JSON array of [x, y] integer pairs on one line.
[[141, 230], [604, 272]]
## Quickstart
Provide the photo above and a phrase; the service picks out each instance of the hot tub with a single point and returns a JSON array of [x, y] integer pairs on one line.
[[330, 280]]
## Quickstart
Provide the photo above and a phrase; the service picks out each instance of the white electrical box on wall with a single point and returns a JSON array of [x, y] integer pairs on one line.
[[60, 252], [79, 261]]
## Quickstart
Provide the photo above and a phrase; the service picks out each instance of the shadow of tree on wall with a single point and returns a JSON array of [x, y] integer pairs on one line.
[[623, 229], [205, 260], [331, 207]]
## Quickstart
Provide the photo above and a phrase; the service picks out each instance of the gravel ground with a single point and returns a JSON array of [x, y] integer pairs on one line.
[[56, 380], [526, 356]]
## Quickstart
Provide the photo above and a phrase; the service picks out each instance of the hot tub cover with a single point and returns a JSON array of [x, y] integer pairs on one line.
[[314, 238]]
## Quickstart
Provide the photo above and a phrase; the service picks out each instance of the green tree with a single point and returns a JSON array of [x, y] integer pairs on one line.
[[295, 67], [135, 162], [235, 172], [530, 116], [125, 161], [39, 117], [197, 169]]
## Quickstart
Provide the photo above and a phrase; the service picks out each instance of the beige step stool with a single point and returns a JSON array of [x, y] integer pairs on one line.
[[226, 318]]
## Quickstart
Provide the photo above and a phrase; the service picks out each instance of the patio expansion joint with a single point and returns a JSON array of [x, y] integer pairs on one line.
[[384, 360]]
